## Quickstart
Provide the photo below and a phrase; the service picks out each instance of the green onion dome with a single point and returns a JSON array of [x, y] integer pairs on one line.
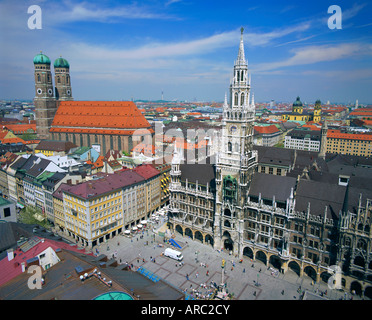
[[41, 59], [61, 63], [297, 103]]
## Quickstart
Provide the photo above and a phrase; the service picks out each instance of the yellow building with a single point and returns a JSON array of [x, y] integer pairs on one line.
[[358, 144], [54, 148], [299, 114], [153, 190], [59, 214], [99, 209], [317, 111]]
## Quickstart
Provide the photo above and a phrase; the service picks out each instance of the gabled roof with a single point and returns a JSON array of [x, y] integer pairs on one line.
[[146, 171], [13, 268], [269, 185], [266, 129], [320, 195], [103, 115], [54, 145]]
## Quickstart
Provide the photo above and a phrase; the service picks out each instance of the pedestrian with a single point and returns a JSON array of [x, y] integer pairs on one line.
[[154, 260], [187, 276], [197, 274], [244, 270], [232, 268], [207, 273], [282, 292], [254, 293]]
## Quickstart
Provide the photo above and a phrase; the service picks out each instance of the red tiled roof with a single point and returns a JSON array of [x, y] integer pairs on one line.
[[358, 113], [109, 182], [266, 129], [354, 136], [13, 140], [146, 149], [312, 127], [13, 268], [98, 163], [146, 171], [21, 128], [122, 115]]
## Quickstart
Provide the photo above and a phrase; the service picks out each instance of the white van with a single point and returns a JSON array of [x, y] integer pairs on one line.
[[174, 254]]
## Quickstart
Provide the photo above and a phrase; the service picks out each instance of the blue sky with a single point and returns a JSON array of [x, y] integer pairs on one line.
[[123, 50]]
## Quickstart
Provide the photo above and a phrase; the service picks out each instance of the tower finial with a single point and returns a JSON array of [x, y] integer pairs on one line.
[[241, 57]]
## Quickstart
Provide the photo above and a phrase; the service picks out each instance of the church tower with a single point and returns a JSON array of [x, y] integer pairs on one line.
[[236, 159], [317, 111], [44, 101], [62, 79], [297, 106], [323, 141]]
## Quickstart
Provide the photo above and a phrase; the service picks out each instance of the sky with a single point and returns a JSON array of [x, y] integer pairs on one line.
[[185, 49]]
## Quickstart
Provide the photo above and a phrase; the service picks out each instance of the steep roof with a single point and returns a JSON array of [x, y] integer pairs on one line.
[[352, 136], [107, 117], [54, 145], [266, 129], [146, 171], [320, 195], [269, 185], [204, 173]]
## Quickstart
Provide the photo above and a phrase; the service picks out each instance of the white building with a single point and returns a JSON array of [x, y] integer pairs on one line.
[[307, 140]]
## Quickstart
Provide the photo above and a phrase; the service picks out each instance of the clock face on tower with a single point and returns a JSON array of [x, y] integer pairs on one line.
[[233, 129], [39, 91], [50, 92]]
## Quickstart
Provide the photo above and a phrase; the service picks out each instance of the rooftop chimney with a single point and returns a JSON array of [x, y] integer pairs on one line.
[[10, 254]]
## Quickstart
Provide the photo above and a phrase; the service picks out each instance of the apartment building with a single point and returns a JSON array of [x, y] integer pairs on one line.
[[101, 208], [300, 139], [358, 144]]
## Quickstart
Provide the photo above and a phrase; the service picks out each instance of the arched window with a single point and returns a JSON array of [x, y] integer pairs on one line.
[[58, 79], [361, 245], [242, 99], [229, 147], [237, 147], [67, 79], [236, 99], [238, 75], [38, 78], [242, 76]]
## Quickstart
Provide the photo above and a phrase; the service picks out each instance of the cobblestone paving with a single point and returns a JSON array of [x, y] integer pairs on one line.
[[249, 280]]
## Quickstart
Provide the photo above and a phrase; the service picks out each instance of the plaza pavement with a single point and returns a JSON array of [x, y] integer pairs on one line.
[[241, 280]]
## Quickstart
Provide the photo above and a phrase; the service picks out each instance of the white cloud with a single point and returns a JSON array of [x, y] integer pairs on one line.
[[315, 54], [68, 11]]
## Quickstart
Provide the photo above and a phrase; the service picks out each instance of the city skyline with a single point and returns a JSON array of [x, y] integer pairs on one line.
[[179, 49]]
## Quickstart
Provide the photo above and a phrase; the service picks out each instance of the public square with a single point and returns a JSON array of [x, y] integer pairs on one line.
[[246, 280]]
